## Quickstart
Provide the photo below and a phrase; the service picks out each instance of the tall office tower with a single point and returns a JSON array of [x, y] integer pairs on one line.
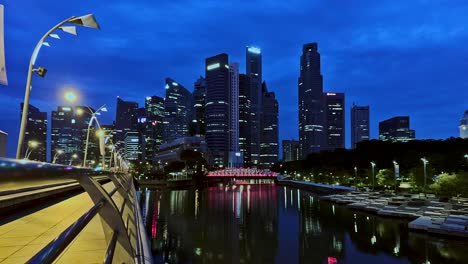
[[396, 129], [235, 157], [155, 127], [125, 119], [3, 144], [217, 108], [199, 96], [254, 71], [244, 118], [360, 129], [311, 112], [291, 150], [464, 125], [36, 131], [335, 120], [63, 137], [132, 145], [178, 111], [269, 129]]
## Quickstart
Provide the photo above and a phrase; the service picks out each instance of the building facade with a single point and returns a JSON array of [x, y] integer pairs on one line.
[[291, 150], [199, 103], [132, 146], [233, 121], [178, 111], [360, 128], [154, 106], [311, 113], [3, 144], [464, 125], [254, 72], [244, 118], [36, 131], [170, 151], [217, 108], [125, 119], [269, 147], [335, 120], [396, 129]]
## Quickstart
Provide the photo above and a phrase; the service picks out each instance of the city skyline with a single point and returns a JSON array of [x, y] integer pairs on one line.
[[382, 66]]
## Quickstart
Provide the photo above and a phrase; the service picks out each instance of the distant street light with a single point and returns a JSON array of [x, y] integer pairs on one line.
[[31, 146], [355, 177], [74, 156], [86, 21], [93, 117], [373, 167], [396, 171], [425, 162], [57, 154]]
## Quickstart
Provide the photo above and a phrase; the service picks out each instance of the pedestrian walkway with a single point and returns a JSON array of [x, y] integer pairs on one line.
[[24, 237]]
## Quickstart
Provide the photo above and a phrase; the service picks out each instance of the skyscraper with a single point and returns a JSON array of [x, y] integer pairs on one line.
[[254, 72], [178, 111], [3, 144], [132, 145], [269, 133], [464, 125], [36, 131], [291, 150], [217, 108], [199, 97], [154, 106], [335, 120], [125, 119], [360, 129], [311, 112], [244, 118], [63, 136], [396, 129], [235, 159]]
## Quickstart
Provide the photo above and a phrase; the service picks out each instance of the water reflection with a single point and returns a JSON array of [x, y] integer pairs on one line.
[[263, 223]]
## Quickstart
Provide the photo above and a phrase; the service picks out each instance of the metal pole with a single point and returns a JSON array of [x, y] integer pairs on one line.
[[355, 178], [87, 140], [24, 115], [424, 178], [373, 166]]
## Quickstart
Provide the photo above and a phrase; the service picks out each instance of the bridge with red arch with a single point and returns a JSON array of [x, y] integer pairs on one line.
[[244, 173]]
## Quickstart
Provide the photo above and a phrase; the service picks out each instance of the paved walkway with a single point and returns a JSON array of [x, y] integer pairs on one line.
[[21, 239]]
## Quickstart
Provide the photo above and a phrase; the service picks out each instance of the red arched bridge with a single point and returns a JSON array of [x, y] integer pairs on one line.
[[243, 173]]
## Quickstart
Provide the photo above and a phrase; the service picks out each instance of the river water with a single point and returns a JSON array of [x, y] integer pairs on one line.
[[265, 223]]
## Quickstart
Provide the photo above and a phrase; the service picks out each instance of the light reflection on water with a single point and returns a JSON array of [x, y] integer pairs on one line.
[[263, 223]]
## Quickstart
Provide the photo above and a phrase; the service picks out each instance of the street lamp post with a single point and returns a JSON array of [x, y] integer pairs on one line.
[[373, 167], [93, 117], [396, 173], [86, 21], [31, 146], [57, 154], [74, 156], [424, 160], [355, 177]]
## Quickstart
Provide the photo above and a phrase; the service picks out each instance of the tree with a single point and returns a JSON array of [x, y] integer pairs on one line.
[[385, 178]]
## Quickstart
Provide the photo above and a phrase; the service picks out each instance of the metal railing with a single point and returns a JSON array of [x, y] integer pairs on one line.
[[118, 209]]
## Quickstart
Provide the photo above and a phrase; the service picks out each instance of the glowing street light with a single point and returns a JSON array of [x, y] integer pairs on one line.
[[425, 162], [396, 171], [355, 177], [74, 156], [373, 167], [70, 96], [31, 146], [86, 21], [57, 154]]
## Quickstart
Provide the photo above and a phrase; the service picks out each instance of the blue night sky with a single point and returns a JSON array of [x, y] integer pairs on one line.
[[399, 57]]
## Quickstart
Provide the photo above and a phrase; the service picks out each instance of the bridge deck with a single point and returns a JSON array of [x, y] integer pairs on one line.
[[24, 237]]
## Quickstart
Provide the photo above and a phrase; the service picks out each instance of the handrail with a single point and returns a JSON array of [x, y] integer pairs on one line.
[[117, 229], [50, 252]]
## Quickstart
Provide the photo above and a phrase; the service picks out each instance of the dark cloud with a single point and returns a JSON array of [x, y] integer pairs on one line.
[[399, 57]]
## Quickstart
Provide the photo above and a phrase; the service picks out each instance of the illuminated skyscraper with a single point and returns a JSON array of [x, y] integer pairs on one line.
[[125, 119], [269, 129], [244, 118], [335, 120], [464, 125], [178, 111], [254, 72], [217, 108], [290, 150], [360, 129], [154, 106], [235, 157], [36, 130], [199, 104], [311, 113]]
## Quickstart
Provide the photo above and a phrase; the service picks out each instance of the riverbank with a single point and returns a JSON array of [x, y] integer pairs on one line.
[[315, 187]]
